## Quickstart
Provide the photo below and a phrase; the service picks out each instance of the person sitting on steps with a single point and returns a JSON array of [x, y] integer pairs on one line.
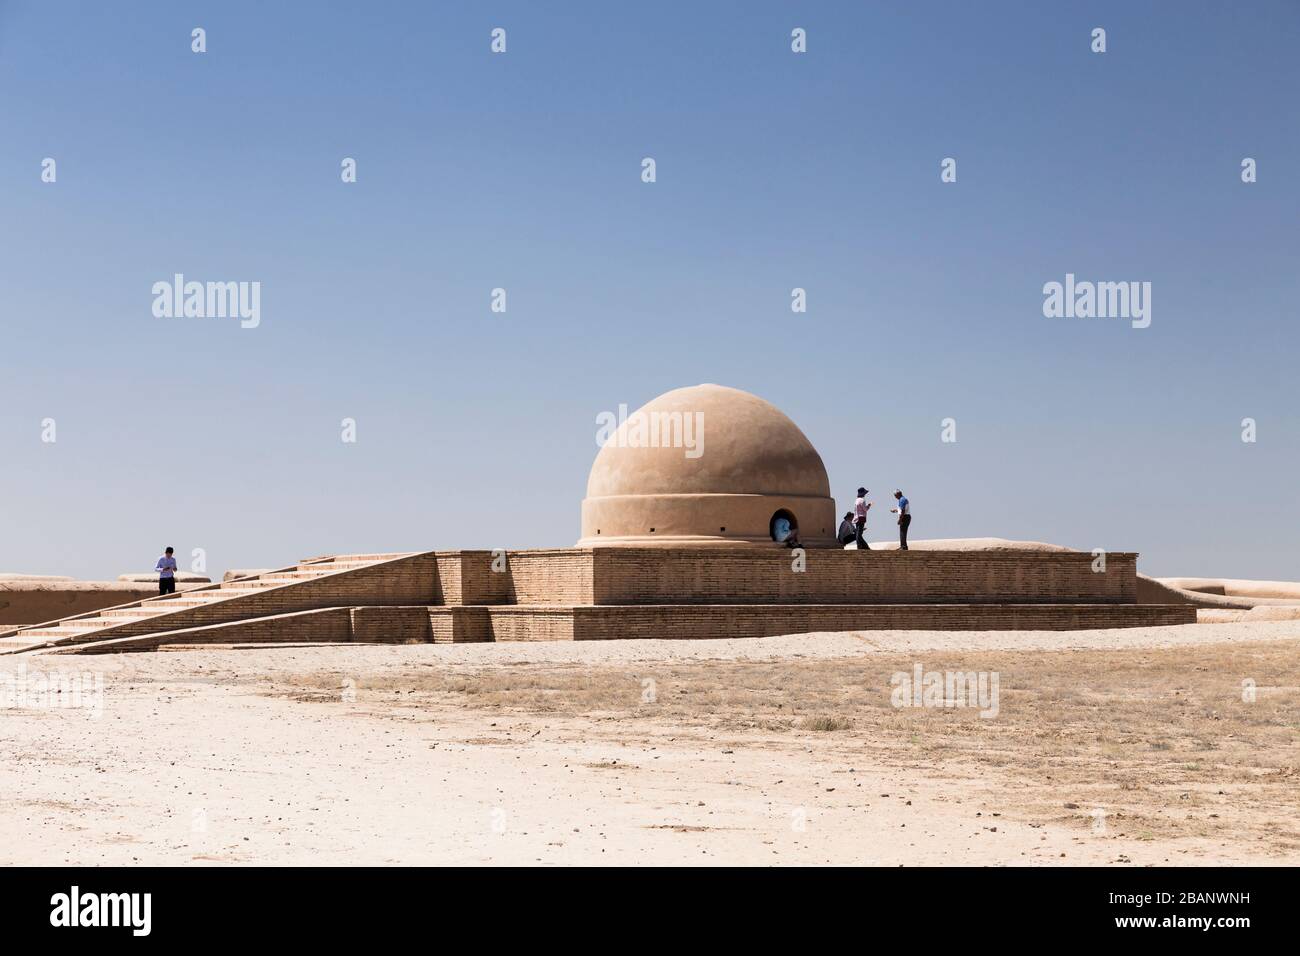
[[845, 534]]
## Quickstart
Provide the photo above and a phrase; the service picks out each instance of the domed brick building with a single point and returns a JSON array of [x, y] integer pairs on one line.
[[707, 465]]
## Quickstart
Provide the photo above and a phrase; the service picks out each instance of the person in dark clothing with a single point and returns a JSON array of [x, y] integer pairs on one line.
[[904, 512], [845, 534]]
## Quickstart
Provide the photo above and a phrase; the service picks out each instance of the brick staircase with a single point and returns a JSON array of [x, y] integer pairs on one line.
[[314, 583]]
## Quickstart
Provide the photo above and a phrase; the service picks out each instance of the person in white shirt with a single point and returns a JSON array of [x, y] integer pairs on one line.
[[860, 509], [166, 568]]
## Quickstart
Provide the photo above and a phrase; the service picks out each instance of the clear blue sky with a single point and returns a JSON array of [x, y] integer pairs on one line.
[[522, 170]]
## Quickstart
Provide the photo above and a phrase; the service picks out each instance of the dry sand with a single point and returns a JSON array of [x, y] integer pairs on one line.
[[1236, 587], [774, 751]]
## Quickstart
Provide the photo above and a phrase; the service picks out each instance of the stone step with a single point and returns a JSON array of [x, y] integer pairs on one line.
[[147, 610], [366, 558], [319, 569], [287, 576], [10, 645], [281, 578]]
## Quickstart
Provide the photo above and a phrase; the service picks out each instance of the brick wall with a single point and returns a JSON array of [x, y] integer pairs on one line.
[[391, 625], [479, 583], [29, 603], [551, 576], [446, 585], [458, 625], [531, 623], [573, 576], [834, 576], [728, 621]]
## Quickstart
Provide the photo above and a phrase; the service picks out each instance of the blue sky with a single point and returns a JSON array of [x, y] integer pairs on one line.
[[522, 170]]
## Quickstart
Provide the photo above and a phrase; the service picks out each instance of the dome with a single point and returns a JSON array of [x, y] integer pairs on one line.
[[707, 465]]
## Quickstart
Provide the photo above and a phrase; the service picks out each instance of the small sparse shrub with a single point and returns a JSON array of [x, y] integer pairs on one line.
[[825, 722]]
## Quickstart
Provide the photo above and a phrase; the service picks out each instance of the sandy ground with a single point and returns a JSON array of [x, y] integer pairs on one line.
[[1135, 746]]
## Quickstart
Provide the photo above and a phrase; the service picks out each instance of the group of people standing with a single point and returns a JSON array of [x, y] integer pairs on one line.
[[855, 522]]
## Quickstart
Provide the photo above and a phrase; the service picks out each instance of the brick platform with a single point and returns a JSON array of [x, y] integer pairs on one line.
[[612, 593]]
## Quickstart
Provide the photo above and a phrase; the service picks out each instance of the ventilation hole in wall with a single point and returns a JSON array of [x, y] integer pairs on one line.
[[597, 531], [722, 529], [652, 530]]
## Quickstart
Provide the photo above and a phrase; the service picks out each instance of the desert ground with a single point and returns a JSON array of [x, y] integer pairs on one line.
[[1130, 747]]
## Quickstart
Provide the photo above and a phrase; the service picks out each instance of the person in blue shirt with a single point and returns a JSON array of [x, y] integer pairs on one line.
[[166, 568], [904, 512]]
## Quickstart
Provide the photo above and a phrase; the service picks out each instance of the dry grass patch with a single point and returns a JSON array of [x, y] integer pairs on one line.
[[1163, 741], [825, 723]]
